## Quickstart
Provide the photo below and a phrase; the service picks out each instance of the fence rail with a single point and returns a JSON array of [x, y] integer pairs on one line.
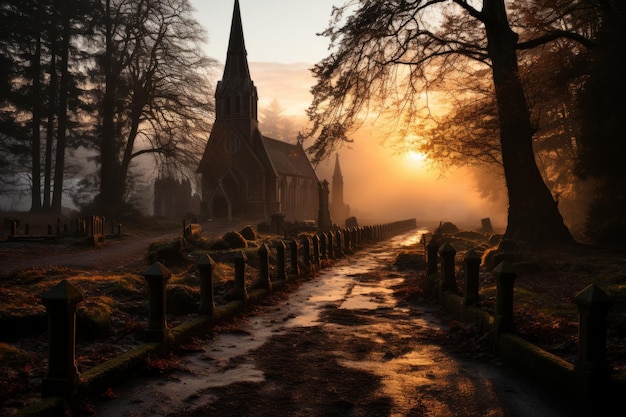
[[306, 255]]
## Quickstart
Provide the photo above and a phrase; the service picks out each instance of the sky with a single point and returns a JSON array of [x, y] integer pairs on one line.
[[278, 31], [282, 44]]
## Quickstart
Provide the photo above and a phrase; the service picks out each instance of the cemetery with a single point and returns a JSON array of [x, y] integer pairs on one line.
[[131, 320]]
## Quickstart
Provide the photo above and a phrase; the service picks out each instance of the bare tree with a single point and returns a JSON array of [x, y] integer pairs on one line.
[[157, 96], [393, 54]]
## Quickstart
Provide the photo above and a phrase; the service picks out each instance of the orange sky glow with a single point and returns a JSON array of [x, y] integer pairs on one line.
[[379, 183]]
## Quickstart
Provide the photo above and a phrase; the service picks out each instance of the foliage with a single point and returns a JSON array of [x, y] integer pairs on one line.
[[406, 60], [42, 94], [156, 94], [79, 79]]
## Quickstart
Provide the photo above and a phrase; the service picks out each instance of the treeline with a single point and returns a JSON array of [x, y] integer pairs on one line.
[[100, 83]]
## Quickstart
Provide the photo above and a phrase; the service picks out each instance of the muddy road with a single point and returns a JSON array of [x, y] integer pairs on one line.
[[347, 342]]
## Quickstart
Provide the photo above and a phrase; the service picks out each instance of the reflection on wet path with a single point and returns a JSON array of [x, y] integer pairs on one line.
[[352, 301], [225, 360]]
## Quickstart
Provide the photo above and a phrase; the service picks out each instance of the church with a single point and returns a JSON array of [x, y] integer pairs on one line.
[[245, 174]]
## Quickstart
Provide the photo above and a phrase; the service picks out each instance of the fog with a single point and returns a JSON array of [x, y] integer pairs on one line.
[[380, 184]]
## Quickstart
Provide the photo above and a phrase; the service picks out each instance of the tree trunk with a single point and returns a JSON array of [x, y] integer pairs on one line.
[[59, 168], [533, 215], [109, 200], [52, 99], [36, 127]]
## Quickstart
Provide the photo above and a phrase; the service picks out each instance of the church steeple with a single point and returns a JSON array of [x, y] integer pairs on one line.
[[236, 95], [337, 174], [237, 57], [337, 185]]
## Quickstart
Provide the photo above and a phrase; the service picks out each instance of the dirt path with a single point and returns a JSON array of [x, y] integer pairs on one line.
[[348, 342], [126, 254], [119, 255]]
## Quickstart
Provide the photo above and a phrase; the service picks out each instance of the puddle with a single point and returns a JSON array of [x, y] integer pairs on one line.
[[410, 240], [226, 358]]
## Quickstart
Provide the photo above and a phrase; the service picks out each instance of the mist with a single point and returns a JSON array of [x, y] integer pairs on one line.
[[381, 185]]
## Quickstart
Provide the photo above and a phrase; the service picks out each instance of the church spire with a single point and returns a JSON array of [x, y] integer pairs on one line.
[[337, 186], [337, 173], [237, 57], [235, 95]]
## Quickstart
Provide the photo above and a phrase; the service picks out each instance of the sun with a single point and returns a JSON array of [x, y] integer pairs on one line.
[[415, 159], [416, 156]]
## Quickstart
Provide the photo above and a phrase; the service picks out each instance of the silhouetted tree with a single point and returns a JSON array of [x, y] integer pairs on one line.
[[603, 141], [20, 99], [43, 71], [156, 94], [388, 53], [469, 133]]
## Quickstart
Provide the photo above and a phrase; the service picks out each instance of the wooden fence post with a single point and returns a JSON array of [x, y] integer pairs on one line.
[[281, 259], [339, 244], [293, 255], [240, 290], [592, 367], [206, 265], [323, 238], [471, 269], [330, 248], [61, 302], [505, 278], [157, 276], [316, 252], [448, 278], [264, 267], [432, 250], [306, 253]]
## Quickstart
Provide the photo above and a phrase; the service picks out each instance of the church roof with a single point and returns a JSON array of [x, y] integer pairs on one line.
[[288, 159]]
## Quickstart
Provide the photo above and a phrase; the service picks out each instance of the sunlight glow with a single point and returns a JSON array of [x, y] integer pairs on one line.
[[416, 159]]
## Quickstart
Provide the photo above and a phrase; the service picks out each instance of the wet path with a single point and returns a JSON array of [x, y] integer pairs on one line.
[[342, 344]]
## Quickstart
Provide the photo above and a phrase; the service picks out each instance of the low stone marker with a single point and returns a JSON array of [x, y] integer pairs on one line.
[[486, 225]]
